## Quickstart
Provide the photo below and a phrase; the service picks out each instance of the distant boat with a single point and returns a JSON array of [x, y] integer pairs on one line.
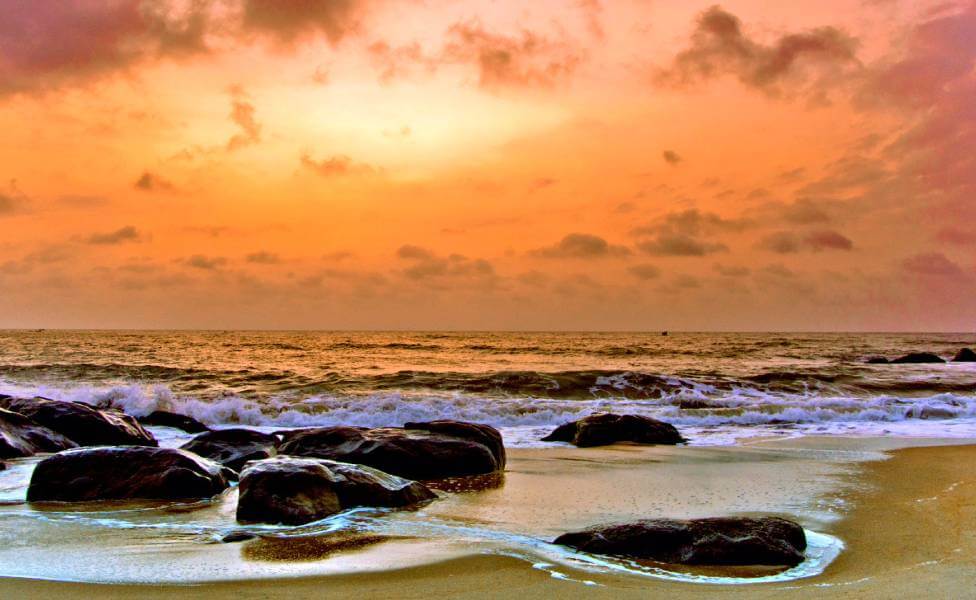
[[664, 333]]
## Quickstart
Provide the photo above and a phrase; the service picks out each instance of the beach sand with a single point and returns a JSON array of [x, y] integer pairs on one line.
[[905, 522]]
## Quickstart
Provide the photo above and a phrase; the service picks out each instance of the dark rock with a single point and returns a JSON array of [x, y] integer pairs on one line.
[[719, 541], [164, 418], [607, 428], [237, 536], [918, 358], [877, 360], [965, 355], [411, 453], [20, 436], [293, 491], [233, 448], [125, 472], [82, 424], [477, 432], [694, 404]]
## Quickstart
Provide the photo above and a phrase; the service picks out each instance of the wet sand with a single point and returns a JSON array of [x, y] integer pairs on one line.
[[906, 523]]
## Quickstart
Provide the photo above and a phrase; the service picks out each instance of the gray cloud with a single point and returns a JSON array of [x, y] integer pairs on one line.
[[645, 271], [150, 182], [263, 258], [581, 245], [671, 157], [931, 264], [206, 263], [719, 46], [119, 236]]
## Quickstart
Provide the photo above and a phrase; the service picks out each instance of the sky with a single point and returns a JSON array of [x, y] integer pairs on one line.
[[426, 164]]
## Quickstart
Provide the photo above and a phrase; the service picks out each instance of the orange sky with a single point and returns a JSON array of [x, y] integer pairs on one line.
[[419, 164]]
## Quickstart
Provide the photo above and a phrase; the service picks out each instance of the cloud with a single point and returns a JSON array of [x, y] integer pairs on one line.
[[718, 46], [242, 114], [206, 263], [150, 182], [956, 236], [827, 239], [804, 211], [287, 22], [46, 45], [731, 270], [336, 166], [516, 61], [679, 244], [13, 201], [426, 266], [681, 233], [119, 236], [263, 258], [693, 222], [645, 271], [581, 245], [671, 157], [787, 242], [781, 242], [931, 264]]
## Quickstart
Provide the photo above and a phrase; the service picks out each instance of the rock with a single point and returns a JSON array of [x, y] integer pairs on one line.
[[237, 536], [20, 436], [125, 472], [877, 360], [477, 432], [917, 358], [293, 491], [164, 418], [694, 404], [607, 428], [717, 541], [411, 453], [82, 424], [965, 355], [233, 448]]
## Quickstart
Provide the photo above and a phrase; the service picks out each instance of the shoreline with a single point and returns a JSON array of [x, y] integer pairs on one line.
[[897, 525]]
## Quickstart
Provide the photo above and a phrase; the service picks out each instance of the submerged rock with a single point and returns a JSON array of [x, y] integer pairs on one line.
[[717, 541], [83, 424], [20, 436], [237, 536], [233, 448], [164, 418], [607, 428], [125, 472], [965, 355], [293, 491], [412, 453], [918, 358]]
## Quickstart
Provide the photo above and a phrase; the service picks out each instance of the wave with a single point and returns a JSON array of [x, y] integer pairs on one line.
[[740, 409]]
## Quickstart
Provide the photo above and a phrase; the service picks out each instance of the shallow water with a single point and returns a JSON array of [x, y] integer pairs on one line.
[[543, 493], [716, 387]]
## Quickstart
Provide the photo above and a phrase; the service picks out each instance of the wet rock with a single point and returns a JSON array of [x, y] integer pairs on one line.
[[877, 360], [233, 448], [125, 472], [918, 358], [694, 404], [82, 424], [411, 453], [164, 418], [477, 432], [293, 490], [965, 355], [237, 536], [607, 428], [20, 436], [717, 541]]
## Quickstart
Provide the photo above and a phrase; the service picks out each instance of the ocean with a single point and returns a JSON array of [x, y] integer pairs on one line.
[[717, 388]]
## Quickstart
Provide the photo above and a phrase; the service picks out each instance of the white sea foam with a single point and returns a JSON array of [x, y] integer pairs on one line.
[[729, 416]]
